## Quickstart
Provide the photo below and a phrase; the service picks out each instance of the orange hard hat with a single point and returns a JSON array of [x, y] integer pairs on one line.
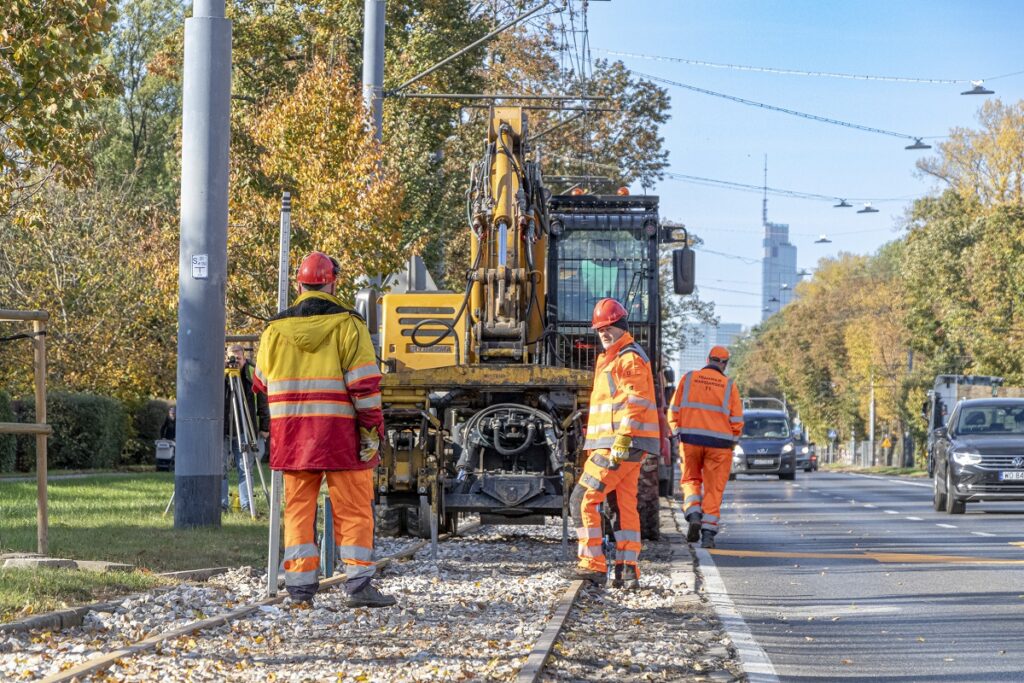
[[719, 353], [606, 312], [318, 269]]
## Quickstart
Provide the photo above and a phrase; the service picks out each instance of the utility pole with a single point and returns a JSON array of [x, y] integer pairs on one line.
[[202, 266], [871, 423], [373, 64]]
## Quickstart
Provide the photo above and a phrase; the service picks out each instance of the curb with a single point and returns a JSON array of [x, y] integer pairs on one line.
[[71, 617], [681, 566]]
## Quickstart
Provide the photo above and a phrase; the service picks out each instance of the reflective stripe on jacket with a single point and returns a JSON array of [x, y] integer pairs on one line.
[[622, 400], [319, 370], [706, 409]]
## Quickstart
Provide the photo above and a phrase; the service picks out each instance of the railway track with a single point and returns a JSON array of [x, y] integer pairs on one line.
[[499, 605]]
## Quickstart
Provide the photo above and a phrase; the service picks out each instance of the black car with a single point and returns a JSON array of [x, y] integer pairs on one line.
[[979, 454], [766, 445]]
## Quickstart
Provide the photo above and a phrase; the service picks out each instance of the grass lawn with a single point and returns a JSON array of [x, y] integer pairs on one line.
[[116, 518], [878, 469]]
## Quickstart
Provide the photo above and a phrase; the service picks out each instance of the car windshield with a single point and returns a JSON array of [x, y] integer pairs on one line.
[[765, 428], [991, 419]]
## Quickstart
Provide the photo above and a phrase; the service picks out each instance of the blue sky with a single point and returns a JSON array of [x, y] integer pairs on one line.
[[716, 138]]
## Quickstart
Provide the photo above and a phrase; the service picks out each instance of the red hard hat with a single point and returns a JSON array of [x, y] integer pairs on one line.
[[606, 312], [318, 269], [718, 353]]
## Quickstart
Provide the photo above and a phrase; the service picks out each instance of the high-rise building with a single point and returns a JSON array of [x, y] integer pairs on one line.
[[778, 268], [703, 337]]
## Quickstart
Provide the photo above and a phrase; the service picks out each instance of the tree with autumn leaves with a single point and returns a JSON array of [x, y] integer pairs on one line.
[[946, 297]]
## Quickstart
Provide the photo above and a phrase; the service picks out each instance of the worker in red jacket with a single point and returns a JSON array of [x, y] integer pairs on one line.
[[706, 413], [319, 370]]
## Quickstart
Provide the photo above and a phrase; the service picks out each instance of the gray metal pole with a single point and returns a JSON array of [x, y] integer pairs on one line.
[[871, 425], [284, 248], [202, 266], [373, 64]]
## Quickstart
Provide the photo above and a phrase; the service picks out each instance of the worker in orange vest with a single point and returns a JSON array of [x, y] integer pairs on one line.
[[622, 428], [706, 413], [317, 365]]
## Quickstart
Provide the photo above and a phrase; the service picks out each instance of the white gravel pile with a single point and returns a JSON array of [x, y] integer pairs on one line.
[[473, 617]]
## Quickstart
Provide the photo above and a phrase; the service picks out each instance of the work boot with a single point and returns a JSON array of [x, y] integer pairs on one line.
[[595, 577], [626, 578], [707, 538], [369, 596], [693, 521]]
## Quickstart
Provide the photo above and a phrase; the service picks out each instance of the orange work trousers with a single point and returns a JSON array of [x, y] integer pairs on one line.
[[351, 493], [705, 472], [599, 479]]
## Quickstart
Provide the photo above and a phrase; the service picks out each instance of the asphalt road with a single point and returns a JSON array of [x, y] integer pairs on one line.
[[855, 578]]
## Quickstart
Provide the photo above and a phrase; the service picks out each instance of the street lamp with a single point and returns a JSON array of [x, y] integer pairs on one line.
[[823, 240], [843, 204], [918, 145], [978, 89], [868, 209]]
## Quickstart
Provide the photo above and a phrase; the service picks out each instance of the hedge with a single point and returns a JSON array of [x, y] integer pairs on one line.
[[147, 417], [8, 452], [89, 431]]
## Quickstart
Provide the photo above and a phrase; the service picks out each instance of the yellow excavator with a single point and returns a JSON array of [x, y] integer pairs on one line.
[[485, 391]]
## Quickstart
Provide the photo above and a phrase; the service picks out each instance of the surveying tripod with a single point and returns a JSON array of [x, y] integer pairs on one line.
[[242, 429]]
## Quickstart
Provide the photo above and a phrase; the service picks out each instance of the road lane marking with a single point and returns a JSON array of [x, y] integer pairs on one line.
[[880, 557], [915, 519], [755, 661], [889, 479], [982, 533], [947, 526], [868, 505], [890, 512]]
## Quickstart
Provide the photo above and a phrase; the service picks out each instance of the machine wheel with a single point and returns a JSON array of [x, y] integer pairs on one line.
[[417, 520], [389, 521], [787, 476], [938, 499], [665, 488], [648, 503], [953, 506]]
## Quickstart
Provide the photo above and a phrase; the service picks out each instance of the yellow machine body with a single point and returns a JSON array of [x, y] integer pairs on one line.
[[403, 312]]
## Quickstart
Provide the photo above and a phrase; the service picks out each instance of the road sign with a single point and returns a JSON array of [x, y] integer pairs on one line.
[[832, 435]]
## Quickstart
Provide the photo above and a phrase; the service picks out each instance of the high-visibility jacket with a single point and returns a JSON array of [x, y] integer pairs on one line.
[[317, 365], [623, 400], [706, 409]]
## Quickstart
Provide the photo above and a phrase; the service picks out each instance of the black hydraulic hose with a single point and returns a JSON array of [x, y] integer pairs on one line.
[[449, 326], [531, 430]]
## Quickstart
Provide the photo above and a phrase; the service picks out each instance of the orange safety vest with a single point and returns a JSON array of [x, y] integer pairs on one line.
[[622, 400], [317, 365], [706, 409]]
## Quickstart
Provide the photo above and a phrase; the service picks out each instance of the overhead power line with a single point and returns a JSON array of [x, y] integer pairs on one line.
[[783, 110], [799, 72]]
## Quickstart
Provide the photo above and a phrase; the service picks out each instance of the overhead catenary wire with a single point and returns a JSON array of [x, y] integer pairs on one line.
[[782, 110], [799, 72]]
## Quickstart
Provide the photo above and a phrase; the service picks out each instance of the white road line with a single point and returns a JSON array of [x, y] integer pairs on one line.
[[758, 667], [982, 533], [753, 659], [915, 519], [891, 480], [869, 505], [947, 526], [891, 512]]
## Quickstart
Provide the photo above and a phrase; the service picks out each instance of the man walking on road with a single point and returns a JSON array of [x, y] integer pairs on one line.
[[707, 414], [622, 428], [319, 370]]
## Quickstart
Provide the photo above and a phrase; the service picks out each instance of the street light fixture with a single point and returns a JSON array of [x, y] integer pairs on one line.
[[823, 240], [978, 89], [918, 145], [843, 204], [868, 209]]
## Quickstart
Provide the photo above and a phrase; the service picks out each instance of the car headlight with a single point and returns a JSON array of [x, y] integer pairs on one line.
[[966, 457], [737, 450], [788, 448], [805, 450]]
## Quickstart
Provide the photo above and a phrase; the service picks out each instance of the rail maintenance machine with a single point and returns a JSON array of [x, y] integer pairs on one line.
[[485, 391]]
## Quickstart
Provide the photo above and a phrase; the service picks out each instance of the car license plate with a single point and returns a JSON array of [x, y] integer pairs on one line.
[[770, 461], [1011, 476]]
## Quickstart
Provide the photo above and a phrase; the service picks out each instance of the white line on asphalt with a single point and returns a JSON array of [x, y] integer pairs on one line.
[[869, 505], [915, 519], [982, 533], [890, 480], [891, 512], [755, 661], [947, 526]]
